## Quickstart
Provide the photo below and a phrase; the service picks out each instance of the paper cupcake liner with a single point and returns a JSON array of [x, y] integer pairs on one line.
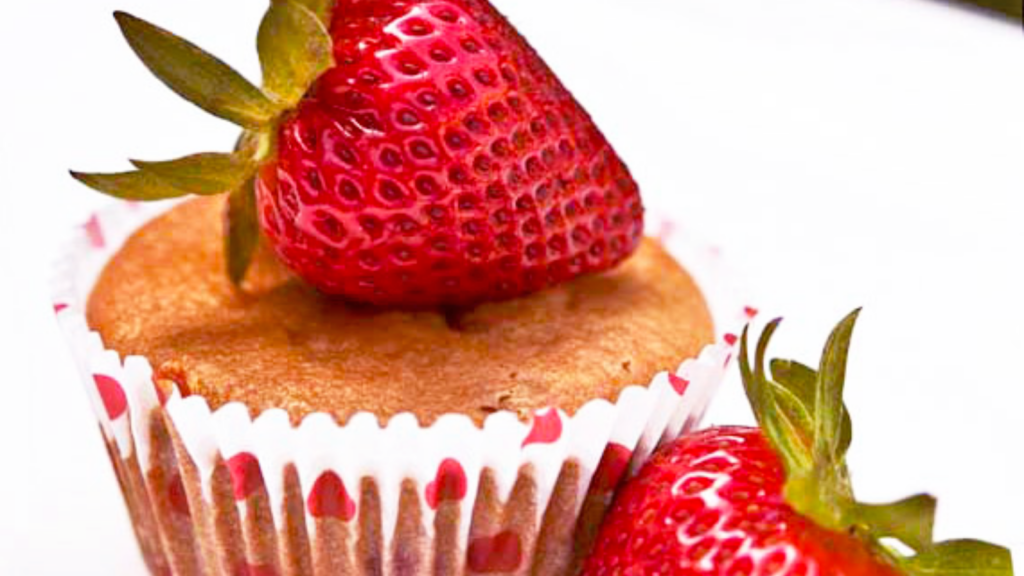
[[218, 492]]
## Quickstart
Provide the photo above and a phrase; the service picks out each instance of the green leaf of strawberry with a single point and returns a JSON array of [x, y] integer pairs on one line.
[[961, 558], [320, 8], [197, 76], [202, 174], [801, 381], [828, 398], [241, 230], [910, 520], [130, 185], [294, 48], [791, 424]]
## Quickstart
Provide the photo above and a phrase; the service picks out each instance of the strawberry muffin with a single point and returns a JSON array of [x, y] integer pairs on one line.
[[410, 325]]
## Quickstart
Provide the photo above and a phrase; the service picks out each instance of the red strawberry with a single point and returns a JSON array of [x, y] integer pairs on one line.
[[712, 503], [414, 152], [774, 500]]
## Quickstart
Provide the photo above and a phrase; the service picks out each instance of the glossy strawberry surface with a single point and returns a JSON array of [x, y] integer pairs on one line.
[[712, 504], [440, 161]]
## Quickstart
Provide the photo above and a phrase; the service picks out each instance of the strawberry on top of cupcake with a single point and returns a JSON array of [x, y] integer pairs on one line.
[[399, 153]]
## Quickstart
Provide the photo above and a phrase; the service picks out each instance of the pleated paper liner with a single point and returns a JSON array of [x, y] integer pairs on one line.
[[218, 492]]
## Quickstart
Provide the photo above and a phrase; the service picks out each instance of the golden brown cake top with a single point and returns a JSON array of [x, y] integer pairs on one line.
[[282, 345]]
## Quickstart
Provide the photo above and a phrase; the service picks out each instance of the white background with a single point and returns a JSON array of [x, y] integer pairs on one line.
[[841, 152]]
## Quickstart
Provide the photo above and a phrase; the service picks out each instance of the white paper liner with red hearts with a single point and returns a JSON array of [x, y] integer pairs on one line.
[[448, 463]]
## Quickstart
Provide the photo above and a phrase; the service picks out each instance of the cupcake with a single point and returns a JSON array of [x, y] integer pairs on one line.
[[411, 325]]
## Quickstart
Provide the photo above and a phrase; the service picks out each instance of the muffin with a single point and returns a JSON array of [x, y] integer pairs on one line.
[[429, 337], [480, 440]]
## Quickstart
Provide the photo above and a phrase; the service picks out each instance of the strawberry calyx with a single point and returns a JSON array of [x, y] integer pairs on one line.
[[801, 412], [294, 49]]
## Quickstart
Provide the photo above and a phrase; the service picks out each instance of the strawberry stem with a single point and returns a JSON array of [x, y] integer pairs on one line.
[[802, 414]]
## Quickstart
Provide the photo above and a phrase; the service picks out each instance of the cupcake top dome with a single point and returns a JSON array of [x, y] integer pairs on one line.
[[280, 343]]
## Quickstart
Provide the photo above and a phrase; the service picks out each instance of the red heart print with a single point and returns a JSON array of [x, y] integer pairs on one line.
[[730, 339], [502, 552], [246, 477], [449, 485], [613, 465], [112, 395], [679, 384], [94, 231], [176, 495], [750, 312], [546, 429], [330, 499], [59, 307]]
